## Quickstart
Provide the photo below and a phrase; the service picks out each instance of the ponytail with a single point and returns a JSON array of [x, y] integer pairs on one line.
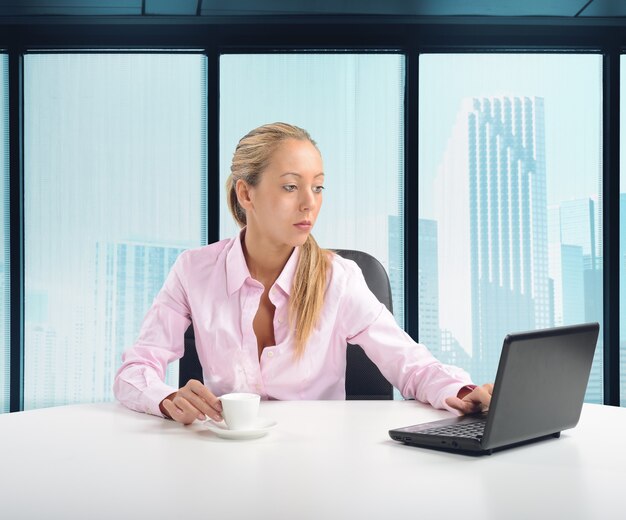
[[251, 158]]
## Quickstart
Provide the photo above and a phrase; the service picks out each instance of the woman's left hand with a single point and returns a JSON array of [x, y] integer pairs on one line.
[[477, 400]]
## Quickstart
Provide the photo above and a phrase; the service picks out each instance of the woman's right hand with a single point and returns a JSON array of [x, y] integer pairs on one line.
[[193, 401]]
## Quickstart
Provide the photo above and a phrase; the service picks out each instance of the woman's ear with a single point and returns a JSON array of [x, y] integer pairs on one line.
[[243, 194]]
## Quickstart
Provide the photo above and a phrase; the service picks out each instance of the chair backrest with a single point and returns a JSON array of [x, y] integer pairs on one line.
[[363, 379]]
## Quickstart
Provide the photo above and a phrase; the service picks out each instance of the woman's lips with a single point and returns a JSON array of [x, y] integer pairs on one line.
[[304, 225]]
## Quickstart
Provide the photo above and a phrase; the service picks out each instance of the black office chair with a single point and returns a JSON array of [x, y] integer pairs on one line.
[[363, 379]]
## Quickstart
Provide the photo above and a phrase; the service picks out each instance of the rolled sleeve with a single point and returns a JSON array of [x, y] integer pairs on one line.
[[408, 365]]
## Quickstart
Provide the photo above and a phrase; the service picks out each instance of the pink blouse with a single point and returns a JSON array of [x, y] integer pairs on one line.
[[212, 286]]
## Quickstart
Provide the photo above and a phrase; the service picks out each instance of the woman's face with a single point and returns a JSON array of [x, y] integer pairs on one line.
[[283, 206]]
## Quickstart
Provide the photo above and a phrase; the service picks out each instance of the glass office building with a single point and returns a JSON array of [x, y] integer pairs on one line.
[[491, 213], [516, 221]]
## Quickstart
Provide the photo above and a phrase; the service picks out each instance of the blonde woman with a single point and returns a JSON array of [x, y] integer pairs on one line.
[[272, 311]]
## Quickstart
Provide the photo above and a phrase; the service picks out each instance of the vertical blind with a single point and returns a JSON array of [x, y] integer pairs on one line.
[[115, 189]]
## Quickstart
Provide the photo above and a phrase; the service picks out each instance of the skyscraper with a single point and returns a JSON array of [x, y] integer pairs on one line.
[[578, 228], [576, 268], [491, 208], [571, 251]]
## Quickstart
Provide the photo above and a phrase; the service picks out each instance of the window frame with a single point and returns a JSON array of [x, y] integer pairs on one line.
[[220, 35]]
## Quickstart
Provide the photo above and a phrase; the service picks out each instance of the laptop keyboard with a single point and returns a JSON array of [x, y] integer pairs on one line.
[[472, 430]]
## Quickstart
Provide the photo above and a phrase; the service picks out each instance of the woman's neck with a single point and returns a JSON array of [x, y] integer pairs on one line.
[[265, 262]]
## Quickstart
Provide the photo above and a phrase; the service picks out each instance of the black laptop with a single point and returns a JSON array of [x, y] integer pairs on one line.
[[538, 392]]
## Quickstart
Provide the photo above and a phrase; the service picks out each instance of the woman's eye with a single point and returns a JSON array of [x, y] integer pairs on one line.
[[289, 187], [318, 189]]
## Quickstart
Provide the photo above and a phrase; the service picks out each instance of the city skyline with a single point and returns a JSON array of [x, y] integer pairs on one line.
[[505, 261], [125, 279], [530, 281], [41, 333]]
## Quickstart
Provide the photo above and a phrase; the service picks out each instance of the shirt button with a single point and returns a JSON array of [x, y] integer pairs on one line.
[[280, 320], [270, 354]]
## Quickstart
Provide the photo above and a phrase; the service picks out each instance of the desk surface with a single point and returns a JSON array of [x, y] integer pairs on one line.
[[324, 460]]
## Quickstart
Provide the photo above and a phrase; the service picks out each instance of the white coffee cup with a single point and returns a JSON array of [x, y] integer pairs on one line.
[[240, 410]]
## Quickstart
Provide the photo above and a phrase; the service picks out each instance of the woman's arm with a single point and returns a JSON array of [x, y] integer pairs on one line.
[[140, 381], [408, 365]]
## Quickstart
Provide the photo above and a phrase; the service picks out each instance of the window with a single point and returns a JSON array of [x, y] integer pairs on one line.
[[115, 189], [353, 107], [5, 331], [510, 201]]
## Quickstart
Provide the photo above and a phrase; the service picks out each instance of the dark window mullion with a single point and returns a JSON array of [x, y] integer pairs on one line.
[[411, 187], [610, 242], [16, 227], [214, 190]]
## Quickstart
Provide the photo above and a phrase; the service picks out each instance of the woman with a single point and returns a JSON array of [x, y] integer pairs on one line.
[[272, 312]]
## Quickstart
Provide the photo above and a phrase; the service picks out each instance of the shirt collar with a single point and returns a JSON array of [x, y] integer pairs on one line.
[[237, 271], [236, 268], [285, 278]]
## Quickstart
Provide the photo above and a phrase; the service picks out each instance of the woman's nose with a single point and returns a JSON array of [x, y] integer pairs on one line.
[[307, 202]]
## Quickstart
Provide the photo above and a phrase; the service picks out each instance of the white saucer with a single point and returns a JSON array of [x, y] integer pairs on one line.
[[261, 428]]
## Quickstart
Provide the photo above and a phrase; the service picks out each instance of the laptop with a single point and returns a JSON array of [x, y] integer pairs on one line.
[[538, 392]]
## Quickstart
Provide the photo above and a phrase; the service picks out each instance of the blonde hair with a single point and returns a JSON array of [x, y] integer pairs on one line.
[[251, 158]]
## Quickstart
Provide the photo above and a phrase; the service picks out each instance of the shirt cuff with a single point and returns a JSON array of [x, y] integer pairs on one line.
[[454, 392], [468, 389], [154, 394]]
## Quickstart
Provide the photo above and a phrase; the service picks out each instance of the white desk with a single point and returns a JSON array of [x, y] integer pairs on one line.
[[324, 460]]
